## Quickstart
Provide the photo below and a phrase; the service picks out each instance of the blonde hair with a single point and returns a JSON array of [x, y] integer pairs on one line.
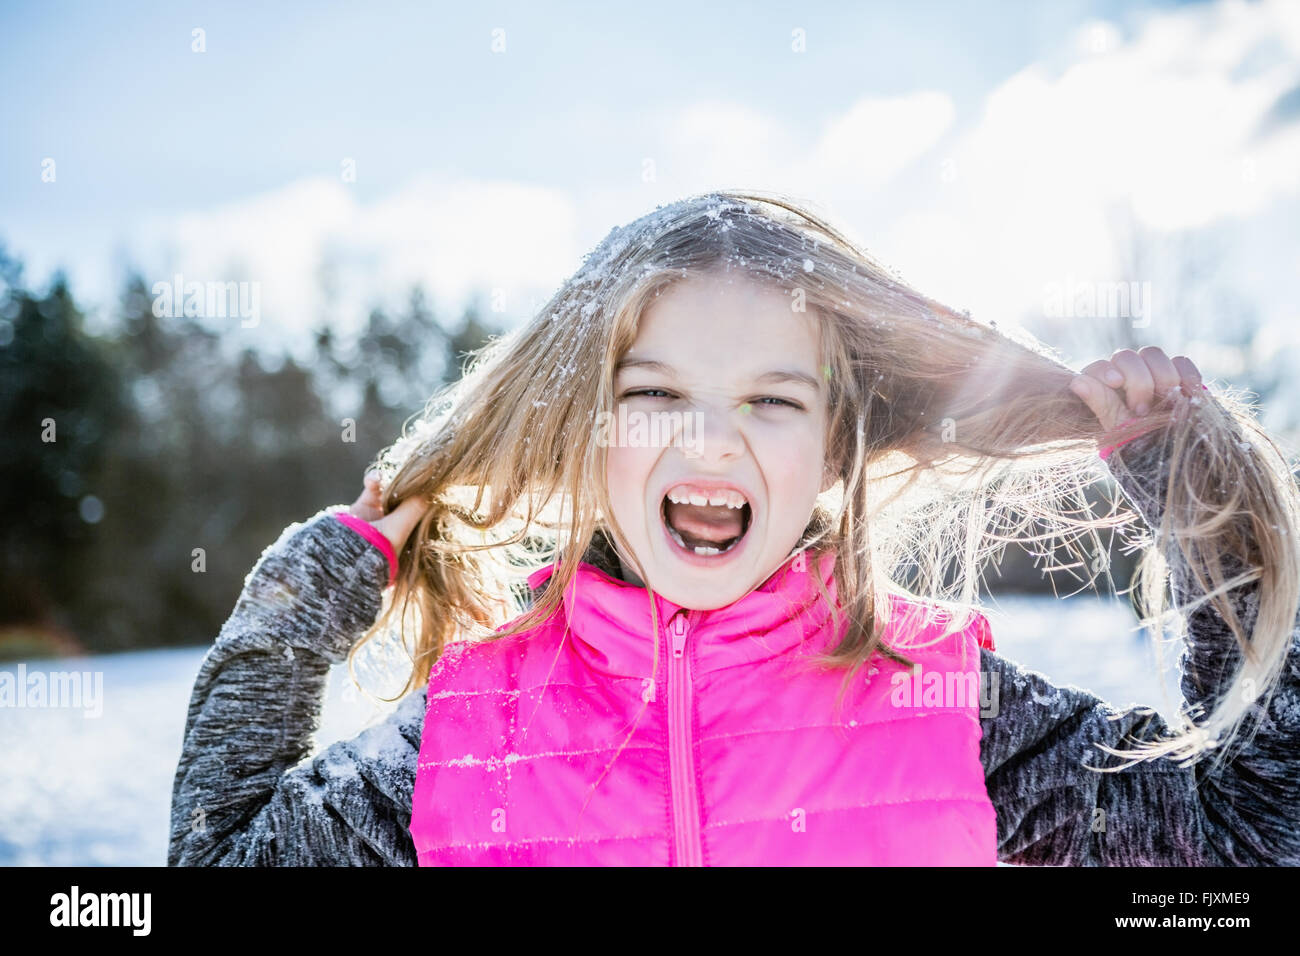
[[948, 439]]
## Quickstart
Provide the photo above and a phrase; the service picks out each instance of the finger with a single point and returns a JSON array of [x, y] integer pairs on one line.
[[1106, 373], [1138, 384], [1164, 374], [365, 508], [375, 489], [1102, 400], [1189, 373], [369, 505]]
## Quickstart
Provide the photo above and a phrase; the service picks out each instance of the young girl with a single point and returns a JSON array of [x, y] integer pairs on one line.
[[673, 564]]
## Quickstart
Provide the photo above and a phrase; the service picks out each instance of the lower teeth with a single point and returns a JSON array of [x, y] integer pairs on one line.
[[700, 549]]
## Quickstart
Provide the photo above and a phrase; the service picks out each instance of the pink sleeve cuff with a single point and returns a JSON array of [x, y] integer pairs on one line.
[[374, 536], [1105, 452]]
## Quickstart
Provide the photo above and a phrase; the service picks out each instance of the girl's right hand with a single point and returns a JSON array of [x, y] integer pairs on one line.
[[396, 526], [1146, 377]]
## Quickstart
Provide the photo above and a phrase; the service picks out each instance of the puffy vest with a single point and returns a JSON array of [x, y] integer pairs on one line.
[[568, 745]]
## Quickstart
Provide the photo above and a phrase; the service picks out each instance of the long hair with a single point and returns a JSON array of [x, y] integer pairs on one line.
[[948, 439]]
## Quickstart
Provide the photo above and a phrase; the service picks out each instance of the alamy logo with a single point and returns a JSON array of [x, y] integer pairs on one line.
[[102, 909], [637, 429], [945, 688], [1075, 298], [212, 300], [53, 689]]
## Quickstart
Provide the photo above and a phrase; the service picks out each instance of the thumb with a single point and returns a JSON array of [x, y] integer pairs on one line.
[[1105, 402]]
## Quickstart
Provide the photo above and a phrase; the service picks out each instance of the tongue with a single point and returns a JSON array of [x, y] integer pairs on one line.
[[704, 524]]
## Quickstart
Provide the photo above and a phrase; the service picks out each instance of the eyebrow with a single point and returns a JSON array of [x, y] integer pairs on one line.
[[775, 376]]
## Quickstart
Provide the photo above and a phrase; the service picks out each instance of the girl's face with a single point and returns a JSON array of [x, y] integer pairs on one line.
[[717, 454]]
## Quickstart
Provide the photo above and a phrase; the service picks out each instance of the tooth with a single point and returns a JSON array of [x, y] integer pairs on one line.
[[706, 550], [676, 537], [684, 495]]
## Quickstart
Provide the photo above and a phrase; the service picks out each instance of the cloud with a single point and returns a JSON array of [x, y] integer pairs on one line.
[[507, 241], [1189, 124], [713, 142], [877, 138], [1166, 120], [1285, 112]]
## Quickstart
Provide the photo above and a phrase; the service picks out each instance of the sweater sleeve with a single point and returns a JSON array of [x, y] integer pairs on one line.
[[1037, 749], [245, 791]]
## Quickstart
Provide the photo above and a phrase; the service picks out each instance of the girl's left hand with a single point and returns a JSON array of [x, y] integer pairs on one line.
[[1146, 376], [397, 525]]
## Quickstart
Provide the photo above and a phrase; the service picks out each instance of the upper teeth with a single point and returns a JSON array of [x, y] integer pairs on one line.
[[683, 495]]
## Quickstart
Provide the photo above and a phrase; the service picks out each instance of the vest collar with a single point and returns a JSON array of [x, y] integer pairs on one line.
[[610, 623]]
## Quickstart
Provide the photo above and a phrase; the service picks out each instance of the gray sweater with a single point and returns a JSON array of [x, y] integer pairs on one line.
[[249, 792]]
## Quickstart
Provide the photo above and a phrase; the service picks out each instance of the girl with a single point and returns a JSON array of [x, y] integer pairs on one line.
[[674, 568]]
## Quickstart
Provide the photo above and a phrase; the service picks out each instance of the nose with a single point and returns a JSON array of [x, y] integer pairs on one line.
[[712, 435]]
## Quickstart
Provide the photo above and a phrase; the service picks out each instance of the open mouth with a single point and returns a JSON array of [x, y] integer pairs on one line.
[[705, 521]]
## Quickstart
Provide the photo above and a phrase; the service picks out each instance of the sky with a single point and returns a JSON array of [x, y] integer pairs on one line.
[[986, 152]]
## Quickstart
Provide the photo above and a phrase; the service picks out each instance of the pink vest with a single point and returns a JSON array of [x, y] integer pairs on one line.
[[564, 745]]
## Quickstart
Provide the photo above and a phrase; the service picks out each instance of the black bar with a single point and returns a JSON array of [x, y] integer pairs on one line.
[[260, 906]]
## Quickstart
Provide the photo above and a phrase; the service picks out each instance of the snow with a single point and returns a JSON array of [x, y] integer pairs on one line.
[[97, 791], [82, 791], [374, 742]]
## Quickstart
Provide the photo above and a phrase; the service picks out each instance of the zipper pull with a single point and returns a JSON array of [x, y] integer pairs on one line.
[[679, 634]]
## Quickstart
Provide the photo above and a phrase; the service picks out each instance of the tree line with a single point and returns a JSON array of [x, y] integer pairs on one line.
[[146, 468]]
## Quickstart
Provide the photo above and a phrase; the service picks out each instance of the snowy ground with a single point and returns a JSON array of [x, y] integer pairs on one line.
[[87, 791]]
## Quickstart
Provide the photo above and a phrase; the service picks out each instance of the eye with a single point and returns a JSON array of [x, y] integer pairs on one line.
[[769, 401]]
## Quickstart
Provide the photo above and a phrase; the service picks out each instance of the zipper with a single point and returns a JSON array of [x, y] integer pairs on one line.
[[681, 760]]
